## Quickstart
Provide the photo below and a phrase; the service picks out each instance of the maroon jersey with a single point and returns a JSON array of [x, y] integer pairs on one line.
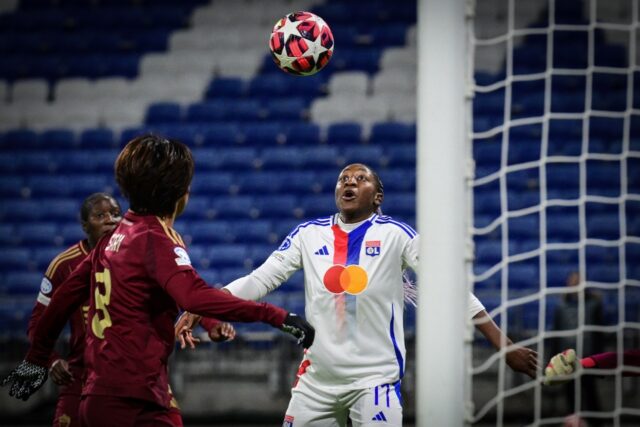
[[59, 269], [140, 275]]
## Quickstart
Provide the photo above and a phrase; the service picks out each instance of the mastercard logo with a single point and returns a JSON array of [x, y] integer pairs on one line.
[[351, 279]]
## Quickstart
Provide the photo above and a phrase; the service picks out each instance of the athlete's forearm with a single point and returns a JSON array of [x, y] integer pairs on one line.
[[609, 360], [491, 331], [195, 296], [259, 283]]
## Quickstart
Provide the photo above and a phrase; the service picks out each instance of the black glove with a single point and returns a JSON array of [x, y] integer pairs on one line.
[[299, 328], [25, 380]]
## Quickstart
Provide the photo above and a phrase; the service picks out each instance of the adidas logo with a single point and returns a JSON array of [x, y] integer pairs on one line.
[[322, 251], [379, 417]]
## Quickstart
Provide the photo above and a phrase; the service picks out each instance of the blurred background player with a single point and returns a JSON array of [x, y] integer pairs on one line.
[[355, 367], [137, 274], [99, 214]]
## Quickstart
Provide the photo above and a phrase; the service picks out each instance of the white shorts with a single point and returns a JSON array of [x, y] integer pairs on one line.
[[314, 406]]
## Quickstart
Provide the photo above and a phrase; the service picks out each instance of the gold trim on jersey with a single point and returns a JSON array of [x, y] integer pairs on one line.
[[171, 233], [82, 248], [70, 253]]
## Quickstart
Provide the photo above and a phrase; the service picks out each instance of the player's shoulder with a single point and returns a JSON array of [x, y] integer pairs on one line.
[[164, 233], [395, 225], [322, 222], [73, 253]]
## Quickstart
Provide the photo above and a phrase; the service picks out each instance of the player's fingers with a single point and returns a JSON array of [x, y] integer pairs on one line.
[[182, 342]]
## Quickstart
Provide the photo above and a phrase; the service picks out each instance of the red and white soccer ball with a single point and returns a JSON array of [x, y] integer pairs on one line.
[[301, 43]]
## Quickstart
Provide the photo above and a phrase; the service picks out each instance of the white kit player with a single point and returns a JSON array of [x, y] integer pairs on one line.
[[353, 266]]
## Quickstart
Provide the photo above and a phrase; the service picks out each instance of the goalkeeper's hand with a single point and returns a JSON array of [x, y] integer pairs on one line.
[[25, 380], [560, 367], [299, 328]]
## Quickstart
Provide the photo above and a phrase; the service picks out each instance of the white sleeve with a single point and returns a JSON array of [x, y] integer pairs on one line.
[[276, 270], [410, 258], [475, 306], [410, 254]]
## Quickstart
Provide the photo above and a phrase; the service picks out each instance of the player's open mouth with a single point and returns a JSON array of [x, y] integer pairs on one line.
[[348, 195]]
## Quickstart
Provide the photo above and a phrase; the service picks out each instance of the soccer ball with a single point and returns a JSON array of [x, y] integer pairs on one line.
[[301, 43]]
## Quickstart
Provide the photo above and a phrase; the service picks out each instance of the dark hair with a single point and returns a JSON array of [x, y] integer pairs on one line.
[[379, 185], [153, 173], [91, 200]]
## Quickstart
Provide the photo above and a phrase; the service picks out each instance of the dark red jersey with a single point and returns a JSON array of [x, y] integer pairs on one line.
[[59, 269], [140, 275]]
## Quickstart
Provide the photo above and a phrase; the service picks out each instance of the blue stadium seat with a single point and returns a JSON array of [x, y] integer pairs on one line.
[[401, 156], [249, 231], [320, 157], [294, 109], [240, 158], [346, 132], [227, 255], [603, 226], [603, 273], [21, 210], [68, 185], [299, 182], [262, 134], [233, 207], [227, 87], [7, 234], [258, 183], [371, 155], [205, 232], [276, 206], [212, 183], [245, 110], [212, 277], [524, 275], [198, 208], [400, 204], [15, 258], [71, 233], [302, 134], [486, 202], [282, 158], [520, 200], [21, 139], [397, 132], [315, 206], [207, 112], [563, 227], [398, 179], [285, 226], [488, 252], [42, 256], [58, 139], [259, 253], [269, 85], [22, 283], [163, 112], [557, 274], [37, 233], [11, 185], [524, 227], [220, 134]]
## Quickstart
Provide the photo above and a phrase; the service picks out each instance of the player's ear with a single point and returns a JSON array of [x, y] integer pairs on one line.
[[378, 199]]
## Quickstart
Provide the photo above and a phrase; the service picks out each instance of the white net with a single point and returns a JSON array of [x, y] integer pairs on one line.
[[556, 141]]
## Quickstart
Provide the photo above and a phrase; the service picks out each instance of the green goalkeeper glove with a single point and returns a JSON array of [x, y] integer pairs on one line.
[[560, 367]]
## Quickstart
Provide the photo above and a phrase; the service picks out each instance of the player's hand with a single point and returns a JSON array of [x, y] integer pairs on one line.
[[25, 380], [299, 328], [560, 366], [223, 331], [183, 329], [60, 373], [523, 359]]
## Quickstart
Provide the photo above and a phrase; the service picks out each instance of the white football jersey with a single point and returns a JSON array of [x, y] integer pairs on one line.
[[354, 296]]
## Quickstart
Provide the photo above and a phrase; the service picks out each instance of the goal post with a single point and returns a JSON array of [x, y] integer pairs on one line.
[[443, 154]]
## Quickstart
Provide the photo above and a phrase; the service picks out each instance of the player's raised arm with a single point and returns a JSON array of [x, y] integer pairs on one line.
[[564, 364]]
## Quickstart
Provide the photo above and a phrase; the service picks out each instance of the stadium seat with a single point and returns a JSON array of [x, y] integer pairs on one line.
[[30, 91], [199, 207], [354, 83], [97, 138], [220, 134], [37, 233], [230, 87], [344, 132], [262, 134], [227, 255], [320, 157], [302, 134], [276, 206], [368, 154], [71, 233], [250, 231], [233, 207], [211, 277], [278, 158], [163, 112], [206, 232], [16, 258], [11, 185], [212, 183], [401, 156], [315, 206], [60, 138], [398, 132], [43, 256], [22, 283]]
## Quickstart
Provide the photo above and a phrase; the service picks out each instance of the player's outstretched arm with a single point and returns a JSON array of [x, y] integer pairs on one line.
[[520, 359], [567, 362]]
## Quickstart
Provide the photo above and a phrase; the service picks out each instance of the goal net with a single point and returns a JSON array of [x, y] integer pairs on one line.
[[556, 218]]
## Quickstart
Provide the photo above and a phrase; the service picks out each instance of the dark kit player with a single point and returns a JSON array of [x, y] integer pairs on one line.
[[140, 275]]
